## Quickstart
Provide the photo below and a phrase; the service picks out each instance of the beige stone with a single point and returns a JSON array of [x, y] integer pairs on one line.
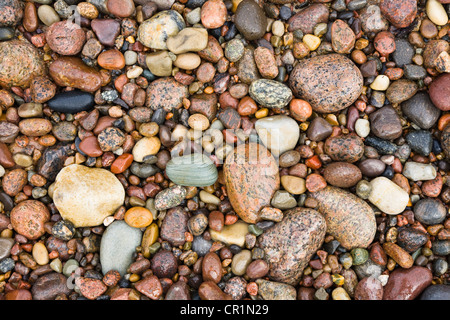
[[187, 61], [188, 40], [232, 234], [146, 147], [388, 196], [159, 63], [86, 196], [293, 185]]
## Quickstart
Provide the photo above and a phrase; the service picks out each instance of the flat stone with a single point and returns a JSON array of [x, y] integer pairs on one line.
[[165, 93], [385, 123], [306, 19], [400, 13], [271, 290], [429, 211], [5, 247], [174, 226], [119, 242], [439, 91], [192, 170], [419, 171]]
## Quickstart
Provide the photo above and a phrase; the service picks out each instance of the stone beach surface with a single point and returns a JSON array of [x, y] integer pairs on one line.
[[224, 150]]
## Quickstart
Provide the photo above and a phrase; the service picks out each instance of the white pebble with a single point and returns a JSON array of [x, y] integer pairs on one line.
[[383, 279], [134, 72], [278, 28], [2, 171], [388, 196], [381, 83], [362, 127], [108, 221], [130, 57], [207, 197], [419, 171], [436, 12]]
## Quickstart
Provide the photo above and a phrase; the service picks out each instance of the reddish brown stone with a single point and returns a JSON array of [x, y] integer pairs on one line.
[[150, 287], [120, 8], [111, 59], [174, 226], [251, 178], [6, 159], [433, 188], [440, 91], [106, 30], [42, 89], [213, 14], [401, 13], [121, 163], [315, 182], [342, 174], [216, 220], [208, 290], [378, 255], [206, 72], [91, 288], [346, 148], [213, 51], [111, 278], [384, 43], [35, 127], [30, 17], [164, 264], [230, 118], [369, 288], [14, 181], [28, 218], [265, 61], [342, 37], [306, 19], [11, 12], [407, 284], [211, 268], [19, 294], [90, 146], [65, 37], [399, 255], [205, 104], [166, 93]]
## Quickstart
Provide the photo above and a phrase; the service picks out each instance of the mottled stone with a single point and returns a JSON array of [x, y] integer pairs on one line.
[[346, 148], [174, 226], [270, 93], [306, 19], [165, 93], [11, 12], [66, 38], [250, 20], [290, 244], [271, 290], [401, 90], [50, 285], [28, 218], [342, 174], [400, 13]]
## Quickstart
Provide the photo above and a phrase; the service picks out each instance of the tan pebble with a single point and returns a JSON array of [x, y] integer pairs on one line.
[[40, 253]]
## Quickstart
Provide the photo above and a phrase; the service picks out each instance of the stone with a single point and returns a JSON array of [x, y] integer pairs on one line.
[[5, 247], [14, 181], [420, 141], [250, 20], [251, 177], [293, 185], [42, 89], [270, 93], [403, 53], [49, 286], [188, 39], [154, 32], [342, 174], [349, 218], [271, 290], [72, 102], [178, 291], [436, 12], [118, 244], [165, 93], [429, 211], [411, 239], [372, 20], [306, 19], [48, 15], [290, 244], [445, 140], [187, 61], [399, 255], [65, 37], [35, 127], [90, 288], [247, 68], [106, 30], [441, 247], [111, 59], [319, 129], [170, 197], [231, 234], [399, 12], [345, 148], [388, 196], [419, 171], [401, 90], [342, 37], [72, 72], [414, 72], [278, 133], [407, 284], [120, 8], [19, 74], [192, 170], [174, 226], [164, 264], [28, 218], [86, 196], [159, 63], [265, 61], [372, 167], [439, 91], [436, 292], [213, 51], [329, 82], [420, 110], [381, 83], [11, 12], [385, 123]]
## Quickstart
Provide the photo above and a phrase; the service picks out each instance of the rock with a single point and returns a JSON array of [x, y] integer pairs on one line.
[[265, 62], [319, 129], [403, 53], [119, 242], [399, 255], [213, 14], [270, 93], [28, 218], [306, 19], [429, 211], [414, 72], [436, 292], [399, 12], [251, 177], [349, 218], [72, 72], [436, 12], [170, 197], [159, 63], [283, 200], [388, 196], [52, 161], [439, 91], [49, 286], [106, 30], [42, 89], [5, 247], [231, 234], [247, 68], [290, 244], [419, 171], [342, 174], [372, 20], [90, 288], [150, 286], [271, 290], [165, 93], [120, 8], [208, 290], [18, 294], [19, 74], [72, 102], [372, 167], [14, 181], [65, 37], [174, 226], [345, 148], [407, 284], [401, 90], [441, 247], [212, 267], [420, 141], [369, 288], [192, 170], [250, 20], [329, 82], [164, 264], [178, 291], [154, 32], [420, 110], [342, 37], [188, 39], [385, 123], [11, 12], [86, 196], [201, 246], [111, 59], [293, 185], [213, 51], [411, 239], [278, 133], [445, 140], [205, 104]]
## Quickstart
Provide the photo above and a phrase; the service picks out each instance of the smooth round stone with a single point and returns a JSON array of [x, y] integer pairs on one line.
[[147, 146], [342, 37], [192, 170], [271, 290], [419, 171], [19, 74], [401, 90], [35, 127], [372, 20], [201, 246], [65, 38], [48, 15], [154, 32], [86, 196], [159, 63], [388, 196], [50, 285], [120, 8], [240, 262], [349, 219], [293, 185], [436, 292], [174, 226], [342, 174], [288, 259], [231, 234], [441, 247], [250, 20], [381, 83], [411, 239], [404, 52], [170, 197], [251, 177], [270, 93], [436, 12], [407, 284], [372, 167], [6, 33], [72, 102], [187, 61], [400, 13], [345, 148], [5, 247], [283, 200], [166, 93], [420, 110], [234, 50], [306, 19], [28, 218], [11, 12], [119, 242], [429, 211], [369, 288], [188, 39], [362, 127], [329, 82], [319, 129], [111, 59], [40, 254], [278, 133], [439, 91], [213, 14]]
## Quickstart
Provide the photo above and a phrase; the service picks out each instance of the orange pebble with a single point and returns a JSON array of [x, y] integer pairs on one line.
[[300, 109], [122, 163], [138, 217], [230, 219], [252, 288], [313, 162], [444, 120]]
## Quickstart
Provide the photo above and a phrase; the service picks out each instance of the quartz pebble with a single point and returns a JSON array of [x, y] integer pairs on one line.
[[419, 171], [388, 196]]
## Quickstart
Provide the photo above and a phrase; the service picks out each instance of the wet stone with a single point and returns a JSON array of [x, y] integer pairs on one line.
[[250, 20], [403, 53], [420, 141], [385, 123], [421, 110], [174, 226]]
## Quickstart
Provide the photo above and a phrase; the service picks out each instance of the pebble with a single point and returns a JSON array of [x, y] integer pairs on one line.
[[342, 37], [342, 174], [151, 33], [187, 61], [319, 129], [399, 255], [240, 262], [71, 102], [420, 141], [251, 177], [429, 211], [310, 227], [420, 110], [372, 20], [388, 196], [48, 15], [441, 247], [150, 287], [439, 89], [192, 170], [400, 13], [145, 147], [369, 288], [278, 133], [250, 20], [120, 8], [49, 286], [165, 93], [265, 62], [111, 60], [407, 284], [106, 30], [11, 13], [28, 218], [213, 14], [174, 226], [164, 264], [329, 82], [271, 290], [411, 239], [419, 171], [231, 234], [306, 19], [86, 196], [403, 53], [345, 148], [436, 292], [343, 211], [65, 38], [188, 39], [14, 181], [270, 94], [5, 247], [436, 12], [401, 90]]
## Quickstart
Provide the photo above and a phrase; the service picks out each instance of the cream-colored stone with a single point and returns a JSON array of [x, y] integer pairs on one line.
[[86, 196], [232, 234], [147, 146], [293, 184], [40, 254], [187, 61], [159, 63], [188, 40], [388, 196], [436, 12]]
